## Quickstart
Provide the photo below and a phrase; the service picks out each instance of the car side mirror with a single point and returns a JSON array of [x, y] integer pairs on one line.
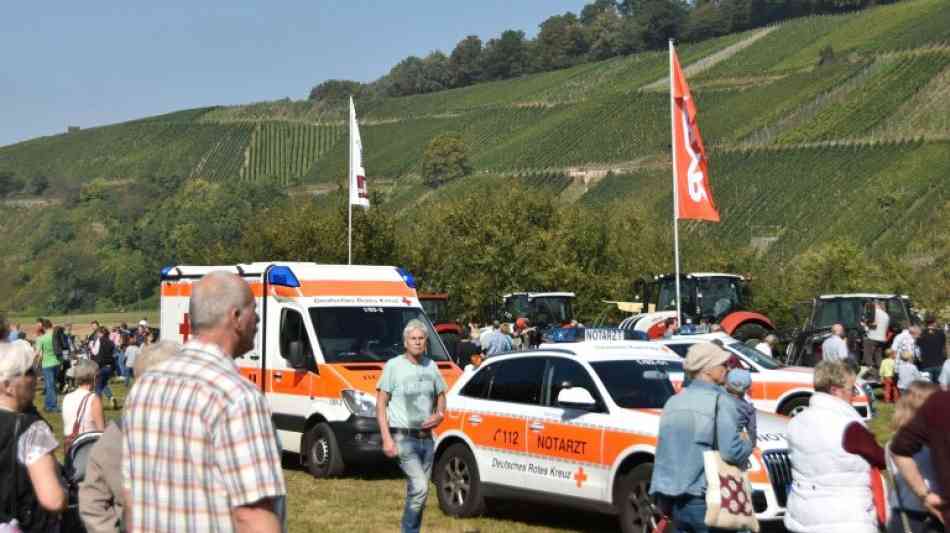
[[576, 398], [297, 358]]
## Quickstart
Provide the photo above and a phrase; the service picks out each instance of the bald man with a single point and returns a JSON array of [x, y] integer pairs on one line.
[[835, 348], [206, 430]]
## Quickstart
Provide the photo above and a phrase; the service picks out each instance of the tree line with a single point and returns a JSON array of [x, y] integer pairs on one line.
[[603, 29], [104, 252]]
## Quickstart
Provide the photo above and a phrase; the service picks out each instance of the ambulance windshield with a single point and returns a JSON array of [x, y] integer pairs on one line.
[[639, 383], [368, 334]]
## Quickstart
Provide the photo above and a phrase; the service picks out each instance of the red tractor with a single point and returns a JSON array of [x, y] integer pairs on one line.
[[713, 298], [436, 307]]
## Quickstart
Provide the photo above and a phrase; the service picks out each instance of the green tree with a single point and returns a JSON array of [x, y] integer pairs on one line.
[[336, 91], [465, 63], [9, 184], [37, 185], [505, 57], [445, 159], [561, 42], [605, 35], [595, 9]]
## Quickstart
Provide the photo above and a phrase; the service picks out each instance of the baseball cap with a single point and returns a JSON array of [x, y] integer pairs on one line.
[[739, 379], [143, 323], [16, 358], [704, 355]]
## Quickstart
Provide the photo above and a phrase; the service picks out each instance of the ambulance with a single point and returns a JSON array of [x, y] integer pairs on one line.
[[776, 388], [577, 425], [324, 334]]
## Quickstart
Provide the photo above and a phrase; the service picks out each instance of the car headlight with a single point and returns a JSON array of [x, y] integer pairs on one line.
[[360, 403]]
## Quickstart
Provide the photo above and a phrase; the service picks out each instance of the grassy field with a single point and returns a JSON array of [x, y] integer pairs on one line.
[[371, 500]]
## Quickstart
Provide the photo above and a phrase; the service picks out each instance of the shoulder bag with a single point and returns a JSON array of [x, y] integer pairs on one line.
[[728, 491], [71, 438], [13, 526]]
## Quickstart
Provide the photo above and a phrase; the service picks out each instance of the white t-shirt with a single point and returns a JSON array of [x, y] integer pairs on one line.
[[71, 403], [944, 378], [881, 322], [765, 348]]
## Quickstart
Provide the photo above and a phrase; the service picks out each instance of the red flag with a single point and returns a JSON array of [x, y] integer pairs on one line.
[[692, 177]]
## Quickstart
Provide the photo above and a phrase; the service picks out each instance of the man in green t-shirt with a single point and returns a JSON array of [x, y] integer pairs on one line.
[[410, 402], [50, 362]]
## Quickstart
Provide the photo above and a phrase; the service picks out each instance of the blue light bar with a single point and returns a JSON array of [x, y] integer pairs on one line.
[[407, 277], [283, 276], [165, 271]]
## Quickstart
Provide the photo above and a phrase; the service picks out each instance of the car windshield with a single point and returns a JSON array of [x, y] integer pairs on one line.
[[368, 334], [756, 356], [638, 383]]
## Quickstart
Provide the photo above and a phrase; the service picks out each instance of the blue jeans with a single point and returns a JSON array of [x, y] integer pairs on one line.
[[102, 385], [689, 515], [415, 459], [120, 363], [49, 388]]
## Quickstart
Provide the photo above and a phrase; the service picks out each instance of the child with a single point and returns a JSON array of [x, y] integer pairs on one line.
[[738, 381], [907, 372], [887, 375]]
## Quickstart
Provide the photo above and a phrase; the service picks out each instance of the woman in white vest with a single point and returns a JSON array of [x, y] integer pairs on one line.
[[832, 452]]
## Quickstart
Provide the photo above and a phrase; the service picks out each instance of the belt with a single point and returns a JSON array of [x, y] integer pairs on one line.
[[415, 433]]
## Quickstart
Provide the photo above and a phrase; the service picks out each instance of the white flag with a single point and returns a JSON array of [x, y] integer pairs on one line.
[[358, 194]]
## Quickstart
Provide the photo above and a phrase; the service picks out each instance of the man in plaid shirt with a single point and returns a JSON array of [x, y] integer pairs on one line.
[[199, 452]]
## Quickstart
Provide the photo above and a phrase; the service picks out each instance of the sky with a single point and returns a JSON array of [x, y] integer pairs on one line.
[[93, 63]]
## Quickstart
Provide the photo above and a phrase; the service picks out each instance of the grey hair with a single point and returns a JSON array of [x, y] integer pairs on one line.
[[831, 374], [153, 354], [84, 372], [213, 296], [413, 325], [15, 359]]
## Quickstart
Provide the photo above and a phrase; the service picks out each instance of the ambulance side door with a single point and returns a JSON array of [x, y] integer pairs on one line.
[[495, 420], [568, 442]]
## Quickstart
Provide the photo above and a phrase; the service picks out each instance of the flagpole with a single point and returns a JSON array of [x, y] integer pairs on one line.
[[349, 195], [676, 234]]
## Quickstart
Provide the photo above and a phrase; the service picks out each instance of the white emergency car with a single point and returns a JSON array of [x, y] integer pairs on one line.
[[776, 388], [325, 333], [577, 425]]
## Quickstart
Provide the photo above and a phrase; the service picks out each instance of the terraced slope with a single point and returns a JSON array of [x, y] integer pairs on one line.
[[765, 104]]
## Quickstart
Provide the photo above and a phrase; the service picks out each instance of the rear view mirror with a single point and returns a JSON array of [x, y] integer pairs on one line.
[[297, 358], [576, 398]]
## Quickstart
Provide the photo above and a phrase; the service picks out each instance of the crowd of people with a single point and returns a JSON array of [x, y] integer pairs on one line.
[[914, 353], [195, 449]]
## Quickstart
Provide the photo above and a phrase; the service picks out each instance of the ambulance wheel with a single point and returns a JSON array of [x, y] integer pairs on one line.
[[750, 333], [637, 513], [794, 406], [322, 452], [458, 484]]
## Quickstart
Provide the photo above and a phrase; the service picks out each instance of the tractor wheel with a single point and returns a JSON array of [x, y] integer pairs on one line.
[[750, 333]]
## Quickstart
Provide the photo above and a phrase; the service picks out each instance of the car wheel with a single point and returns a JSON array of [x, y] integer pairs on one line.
[[458, 484], [637, 512], [750, 333], [322, 452], [793, 406]]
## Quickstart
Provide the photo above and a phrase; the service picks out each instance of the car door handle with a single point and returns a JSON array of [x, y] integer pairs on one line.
[[475, 420], [536, 426], [278, 375]]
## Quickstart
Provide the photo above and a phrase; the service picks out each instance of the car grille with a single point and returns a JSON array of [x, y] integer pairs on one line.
[[780, 473]]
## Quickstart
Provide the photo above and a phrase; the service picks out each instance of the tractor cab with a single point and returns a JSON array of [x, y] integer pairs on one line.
[[705, 296], [543, 309]]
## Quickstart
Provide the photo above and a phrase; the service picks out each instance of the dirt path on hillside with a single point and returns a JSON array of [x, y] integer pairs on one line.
[[712, 60]]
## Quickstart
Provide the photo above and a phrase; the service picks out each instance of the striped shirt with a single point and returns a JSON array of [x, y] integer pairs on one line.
[[198, 442]]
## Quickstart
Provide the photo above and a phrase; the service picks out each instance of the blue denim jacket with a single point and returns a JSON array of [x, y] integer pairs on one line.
[[686, 431]]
